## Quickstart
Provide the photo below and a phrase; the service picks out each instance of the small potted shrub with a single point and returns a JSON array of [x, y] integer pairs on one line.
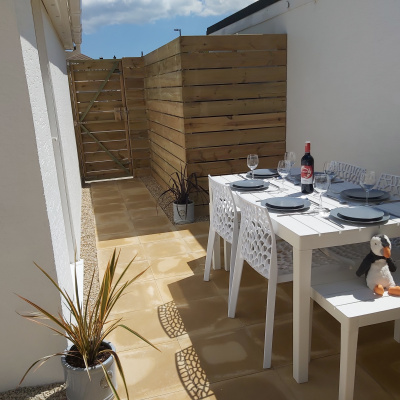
[[180, 188], [91, 361]]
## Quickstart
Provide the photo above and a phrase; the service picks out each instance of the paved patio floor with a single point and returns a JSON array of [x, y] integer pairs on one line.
[[203, 353]]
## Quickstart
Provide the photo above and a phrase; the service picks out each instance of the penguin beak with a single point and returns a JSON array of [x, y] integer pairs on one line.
[[386, 252]]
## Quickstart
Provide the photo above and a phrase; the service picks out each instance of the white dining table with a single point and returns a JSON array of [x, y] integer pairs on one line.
[[305, 233]]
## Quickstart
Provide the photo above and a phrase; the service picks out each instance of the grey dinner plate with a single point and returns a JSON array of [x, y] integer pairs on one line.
[[265, 172], [361, 213], [263, 176], [360, 194], [272, 204], [249, 188], [336, 213], [285, 202], [248, 184]]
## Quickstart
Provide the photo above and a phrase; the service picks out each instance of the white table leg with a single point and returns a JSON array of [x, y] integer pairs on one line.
[[301, 313]]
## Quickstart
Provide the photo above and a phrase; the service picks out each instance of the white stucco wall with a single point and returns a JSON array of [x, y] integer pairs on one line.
[[31, 218], [66, 142], [343, 78]]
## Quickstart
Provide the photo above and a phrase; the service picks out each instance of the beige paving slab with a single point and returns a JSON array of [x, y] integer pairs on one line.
[[126, 254], [193, 230], [136, 213], [139, 296], [109, 208], [177, 265], [222, 355], [207, 315], [159, 236], [149, 323], [115, 217], [113, 243], [165, 248], [130, 183], [324, 382], [137, 268], [152, 373], [182, 289], [259, 386], [197, 243], [379, 355]]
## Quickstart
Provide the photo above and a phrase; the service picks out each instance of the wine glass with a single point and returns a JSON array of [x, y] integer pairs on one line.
[[291, 157], [330, 169], [252, 162], [321, 185], [283, 170], [367, 182]]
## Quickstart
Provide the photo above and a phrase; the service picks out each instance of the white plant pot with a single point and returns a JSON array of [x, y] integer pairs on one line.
[[184, 214], [80, 387]]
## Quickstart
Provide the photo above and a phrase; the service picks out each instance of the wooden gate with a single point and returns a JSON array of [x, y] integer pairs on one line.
[[101, 118]]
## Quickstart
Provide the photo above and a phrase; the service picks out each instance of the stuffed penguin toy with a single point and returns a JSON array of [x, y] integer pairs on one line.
[[377, 267]]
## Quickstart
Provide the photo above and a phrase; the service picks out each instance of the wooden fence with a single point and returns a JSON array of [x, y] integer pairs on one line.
[[212, 100], [204, 102], [110, 117]]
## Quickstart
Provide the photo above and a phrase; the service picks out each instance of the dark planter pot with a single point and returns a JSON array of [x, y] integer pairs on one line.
[[80, 387]]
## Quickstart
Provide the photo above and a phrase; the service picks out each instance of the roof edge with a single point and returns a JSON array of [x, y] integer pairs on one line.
[[243, 13]]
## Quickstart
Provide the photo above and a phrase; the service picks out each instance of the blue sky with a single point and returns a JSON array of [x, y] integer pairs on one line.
[[125, 28]]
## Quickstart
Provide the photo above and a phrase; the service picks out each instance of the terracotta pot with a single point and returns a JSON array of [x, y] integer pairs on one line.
[[184, 214], [80, 387]]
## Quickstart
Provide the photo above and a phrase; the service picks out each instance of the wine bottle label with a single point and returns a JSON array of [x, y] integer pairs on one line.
[[307, 174]]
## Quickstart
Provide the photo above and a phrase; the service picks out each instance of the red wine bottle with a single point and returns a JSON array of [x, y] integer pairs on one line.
[[307, 171]]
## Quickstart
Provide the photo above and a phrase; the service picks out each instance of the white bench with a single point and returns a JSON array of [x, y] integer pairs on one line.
[[353, 304]]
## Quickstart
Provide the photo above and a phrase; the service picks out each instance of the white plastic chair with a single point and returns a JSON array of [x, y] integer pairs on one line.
[[271, 258], [353, 304], [352, 254], [224, 223], [348, 172]]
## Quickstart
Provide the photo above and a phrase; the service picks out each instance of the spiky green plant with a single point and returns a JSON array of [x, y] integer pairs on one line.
[[90, 323]]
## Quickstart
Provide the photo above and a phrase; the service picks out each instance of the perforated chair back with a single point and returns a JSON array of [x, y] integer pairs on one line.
[[391, 184], [257, 243], [224, 223], [348, 172], [223, 213]]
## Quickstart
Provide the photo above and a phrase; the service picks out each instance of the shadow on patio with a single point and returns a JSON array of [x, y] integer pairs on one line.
[[204, 354]]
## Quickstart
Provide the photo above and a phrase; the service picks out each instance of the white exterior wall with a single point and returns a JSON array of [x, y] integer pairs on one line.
[[343, 77], [65, 145], [32, 224]]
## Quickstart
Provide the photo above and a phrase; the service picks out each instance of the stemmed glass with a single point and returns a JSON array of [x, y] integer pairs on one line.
[[252, 162], [283, 170], [321, 185], [367, 182], [291, 157], [330, 169]]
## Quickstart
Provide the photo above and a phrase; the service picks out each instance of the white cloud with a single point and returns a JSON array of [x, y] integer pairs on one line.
[[97, 13]]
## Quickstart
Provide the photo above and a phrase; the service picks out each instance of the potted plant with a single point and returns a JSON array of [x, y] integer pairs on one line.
[[180, 188], [90, 362]]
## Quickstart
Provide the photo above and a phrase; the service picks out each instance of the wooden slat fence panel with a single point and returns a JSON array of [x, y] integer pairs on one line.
[[225, 95], [101, 125], [134, 74]]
